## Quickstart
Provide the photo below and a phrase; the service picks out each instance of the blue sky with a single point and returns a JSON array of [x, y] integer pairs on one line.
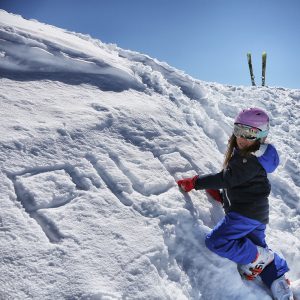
[[208, 39]]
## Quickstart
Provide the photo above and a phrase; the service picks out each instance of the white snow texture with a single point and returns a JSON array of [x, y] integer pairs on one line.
[[93, 139]]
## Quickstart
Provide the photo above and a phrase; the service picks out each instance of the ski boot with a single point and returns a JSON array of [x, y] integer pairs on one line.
[[252, 270], [281, 289]]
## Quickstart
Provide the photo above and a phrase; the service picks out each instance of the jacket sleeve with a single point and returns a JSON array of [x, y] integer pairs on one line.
[[239, 171]]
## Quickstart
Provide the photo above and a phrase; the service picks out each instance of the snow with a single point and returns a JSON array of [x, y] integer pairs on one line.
[[93, 139]]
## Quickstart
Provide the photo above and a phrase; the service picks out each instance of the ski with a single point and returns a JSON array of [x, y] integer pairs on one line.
[[250, 68], [264, 63]]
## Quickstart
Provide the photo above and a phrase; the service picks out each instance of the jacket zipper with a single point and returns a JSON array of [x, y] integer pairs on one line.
[[229, 202]]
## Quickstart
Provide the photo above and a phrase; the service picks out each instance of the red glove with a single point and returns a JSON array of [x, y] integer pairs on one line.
[[187, 184], [215, 194]]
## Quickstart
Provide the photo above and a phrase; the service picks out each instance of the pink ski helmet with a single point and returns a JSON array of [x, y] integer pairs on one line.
[[254, 117]]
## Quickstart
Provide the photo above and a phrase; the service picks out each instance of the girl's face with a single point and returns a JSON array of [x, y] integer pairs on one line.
[[243, 143]]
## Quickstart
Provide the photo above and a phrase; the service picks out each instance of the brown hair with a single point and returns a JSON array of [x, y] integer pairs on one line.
[[232, 144]]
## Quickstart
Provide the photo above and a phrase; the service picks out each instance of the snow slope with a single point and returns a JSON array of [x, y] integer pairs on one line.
[[93, 139]]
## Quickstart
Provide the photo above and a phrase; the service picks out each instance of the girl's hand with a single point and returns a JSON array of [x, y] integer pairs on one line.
[[187, 184], [215, 194]]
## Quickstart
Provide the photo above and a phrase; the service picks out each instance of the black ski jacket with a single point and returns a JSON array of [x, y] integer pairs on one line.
[[245, 184]]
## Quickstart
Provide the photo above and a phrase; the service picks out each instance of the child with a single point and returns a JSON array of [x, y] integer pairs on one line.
[[240, 235]]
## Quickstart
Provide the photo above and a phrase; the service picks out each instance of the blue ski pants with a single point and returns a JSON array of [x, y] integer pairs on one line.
[[236, 237]]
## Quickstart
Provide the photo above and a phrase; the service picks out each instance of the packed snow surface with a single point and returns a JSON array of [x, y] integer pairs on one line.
[[93, 139]]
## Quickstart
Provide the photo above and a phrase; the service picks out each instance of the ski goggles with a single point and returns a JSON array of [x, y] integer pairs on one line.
[[248, 132]]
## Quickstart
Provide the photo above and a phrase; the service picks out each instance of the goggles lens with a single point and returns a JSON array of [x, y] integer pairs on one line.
[[247, 132]]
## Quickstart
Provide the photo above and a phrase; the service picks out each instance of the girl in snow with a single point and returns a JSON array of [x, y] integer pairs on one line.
[[240, 235]]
